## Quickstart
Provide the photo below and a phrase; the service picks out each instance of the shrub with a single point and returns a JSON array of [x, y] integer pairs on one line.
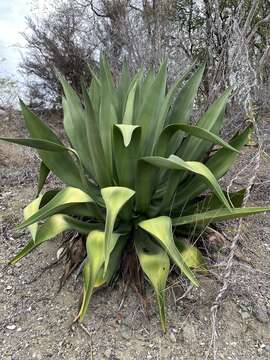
[[136, 174]]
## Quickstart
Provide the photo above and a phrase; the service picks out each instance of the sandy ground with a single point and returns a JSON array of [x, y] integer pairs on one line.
[[35, 320]]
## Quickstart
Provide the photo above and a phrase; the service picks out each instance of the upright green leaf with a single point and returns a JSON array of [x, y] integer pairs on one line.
[[152, 97], [102, 173], [126, 145], [161, 229], [182, 107], [166, 104], [156, 265], [74, 123], [129, 106], [43, 174], [60, 163]]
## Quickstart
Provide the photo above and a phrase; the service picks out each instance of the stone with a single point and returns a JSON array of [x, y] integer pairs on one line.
[[108, 353], [260, 313], [11, 327], [172, 337], [189, 334]]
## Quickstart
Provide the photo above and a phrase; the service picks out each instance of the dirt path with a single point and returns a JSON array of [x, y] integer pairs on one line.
[[35, 320]]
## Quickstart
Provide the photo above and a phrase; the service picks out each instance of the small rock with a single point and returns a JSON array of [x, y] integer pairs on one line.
[[267, 348], [126, 332], [108, 353], [189, 334], [260, 313], [172, 337], [11, 327], [9, 287], [245, 315], [37, 355], [19, 329]]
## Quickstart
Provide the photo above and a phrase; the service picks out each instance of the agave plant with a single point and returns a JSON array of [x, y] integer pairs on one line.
[[136, 175]]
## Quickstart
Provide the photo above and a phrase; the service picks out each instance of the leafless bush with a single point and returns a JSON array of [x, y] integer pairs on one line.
[[228, 36]]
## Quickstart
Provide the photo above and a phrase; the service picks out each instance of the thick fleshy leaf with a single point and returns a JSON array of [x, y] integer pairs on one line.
[[175, 163], [216, 215], [219, 164], [123, 89], [52, 227], [156, 265], [183, 104], [102, 173], [162, 116], [95, 246], [126, 145], [61, 163], [194, 149], [161, 229], [129, 107], [38, 144], [30, 210], [145, 180], [153, 95], [182, 108], [75, 124], [43, 174], [107, 118], [65, 198], [115, 198], [162, 145]]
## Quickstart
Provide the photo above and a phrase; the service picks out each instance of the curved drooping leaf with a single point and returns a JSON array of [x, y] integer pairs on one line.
[[161, 229], [115, 198], [182, 108], [194, 149], [30, 210], [60, 163], [95, 247], [218, 215], [175, 163], [156, 265], [126, 145], [63, 199], [219, 164], [38, 144], [162, 145], [53, 226], [43, 174]]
